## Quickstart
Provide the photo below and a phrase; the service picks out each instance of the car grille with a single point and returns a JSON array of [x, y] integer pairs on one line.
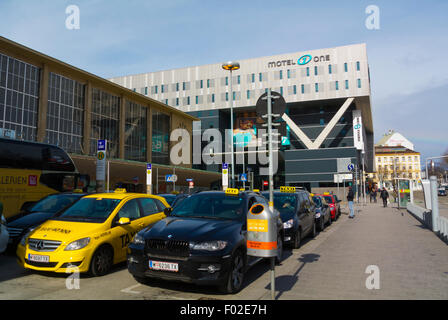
[[14, 232], [170, 248], [43, 245]]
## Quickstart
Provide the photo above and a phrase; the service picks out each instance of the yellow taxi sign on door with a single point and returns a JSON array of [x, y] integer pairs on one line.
[[287, 189]]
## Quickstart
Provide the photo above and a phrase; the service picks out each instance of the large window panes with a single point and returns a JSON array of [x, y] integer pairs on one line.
[[104, 121], [19, 97], [65, 113], [135, 132], [160, 138]]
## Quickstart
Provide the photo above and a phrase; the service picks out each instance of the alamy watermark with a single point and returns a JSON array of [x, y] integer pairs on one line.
[[73, 19], [373, 19], [373, 280]]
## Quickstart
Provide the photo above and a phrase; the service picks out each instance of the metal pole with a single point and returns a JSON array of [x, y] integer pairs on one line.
[[435, 203], [272, 278], [231, 131], [157, 180], [108, 176], [271, 183]]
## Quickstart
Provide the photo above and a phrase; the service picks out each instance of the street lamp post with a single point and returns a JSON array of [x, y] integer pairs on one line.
[[231, 66]]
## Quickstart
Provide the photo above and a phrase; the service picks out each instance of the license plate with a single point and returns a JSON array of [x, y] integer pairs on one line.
[[164, 266], [38, 258]]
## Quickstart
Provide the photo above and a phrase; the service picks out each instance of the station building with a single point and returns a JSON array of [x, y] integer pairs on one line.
[[46, 100], [327, 94]]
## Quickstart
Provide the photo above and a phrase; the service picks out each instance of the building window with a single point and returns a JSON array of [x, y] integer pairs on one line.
[[188, 100], [227, 96], [315, 70], [345, 67], [156, 89], [281, 90], [303, 88], [105, 116], [146, 91], [233, 95], [316, 87], [177, 86], [288, 74], [238, 79], [337, 85], [307, 71], [358, 67], [253, 77], [184, 86], [213, 98], [135, 132], [329, 69], [346, 84], [248, 94], [197, 99], [202, 84], [227, 81], [294, 88], [208, 83], [160, 138], [65, 116], [260, 77], [281, 74], [177, 101], [359, 83]]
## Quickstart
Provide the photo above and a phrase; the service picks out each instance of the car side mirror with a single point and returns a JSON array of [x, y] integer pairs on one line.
[[124, 221], [168, 211]]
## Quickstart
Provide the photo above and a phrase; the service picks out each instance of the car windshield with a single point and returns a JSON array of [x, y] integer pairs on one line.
[[211, 205], [329, 199], [90, 210], [54, 203], [284, 203], [169, 198], [317, 201]]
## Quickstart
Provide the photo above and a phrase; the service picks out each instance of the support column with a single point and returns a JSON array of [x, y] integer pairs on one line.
[[87, 127], [121, 129], [149, 135], [43, 104]]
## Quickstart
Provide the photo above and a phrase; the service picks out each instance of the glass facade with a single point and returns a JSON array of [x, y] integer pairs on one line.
[[135, 132], [105, 121], [160, 138], [19, 97], [65, 116]]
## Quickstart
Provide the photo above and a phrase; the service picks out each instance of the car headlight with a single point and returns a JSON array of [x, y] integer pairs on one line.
[[138, 239], [288, 224], [209, 245], [78, 244], [25, 237]]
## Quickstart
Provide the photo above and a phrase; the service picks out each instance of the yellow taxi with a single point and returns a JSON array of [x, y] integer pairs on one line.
[[92, 235]]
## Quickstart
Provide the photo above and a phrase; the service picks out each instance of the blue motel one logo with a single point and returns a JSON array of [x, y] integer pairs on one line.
[[303, 60]]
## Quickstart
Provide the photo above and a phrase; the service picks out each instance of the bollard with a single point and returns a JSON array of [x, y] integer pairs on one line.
[[434, 204]]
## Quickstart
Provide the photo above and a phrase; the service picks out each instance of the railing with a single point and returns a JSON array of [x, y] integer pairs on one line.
[[443, 228], [425, 217]]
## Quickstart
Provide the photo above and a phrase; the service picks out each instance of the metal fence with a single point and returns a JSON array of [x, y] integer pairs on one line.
[[425, 217]]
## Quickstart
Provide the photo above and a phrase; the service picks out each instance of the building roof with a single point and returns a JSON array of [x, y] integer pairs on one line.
[[394, 150]]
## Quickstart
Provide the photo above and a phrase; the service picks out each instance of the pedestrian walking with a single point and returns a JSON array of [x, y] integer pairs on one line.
[[350, 197], [384, 195], [375, 193]]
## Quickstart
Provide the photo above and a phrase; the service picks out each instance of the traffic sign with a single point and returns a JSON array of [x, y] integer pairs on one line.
[[350, 167], [243, 177], [171, 178]]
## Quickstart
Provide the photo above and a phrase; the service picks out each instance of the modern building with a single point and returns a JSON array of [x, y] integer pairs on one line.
[[328, 110], [46, 100]]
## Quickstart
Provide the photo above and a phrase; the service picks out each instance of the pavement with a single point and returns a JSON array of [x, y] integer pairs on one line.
[[408, 262]]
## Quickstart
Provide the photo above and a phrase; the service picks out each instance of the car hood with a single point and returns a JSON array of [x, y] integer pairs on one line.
[[31, 219], [285, 216], [66, 231], [192, 229]]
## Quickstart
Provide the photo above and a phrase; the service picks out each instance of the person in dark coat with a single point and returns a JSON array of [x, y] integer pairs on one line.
[[350, 197], [384, 195]]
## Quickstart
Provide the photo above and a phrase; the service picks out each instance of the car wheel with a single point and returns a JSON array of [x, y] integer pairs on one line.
[[236, 275], [278, 258], [322, 224], [297, 241], [101, 261], [313, 231]]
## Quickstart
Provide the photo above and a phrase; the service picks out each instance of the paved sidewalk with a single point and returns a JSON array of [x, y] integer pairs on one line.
[[412, 261]]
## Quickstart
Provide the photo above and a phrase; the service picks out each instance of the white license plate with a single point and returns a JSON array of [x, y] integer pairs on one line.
[[38, 258], [164, 266]]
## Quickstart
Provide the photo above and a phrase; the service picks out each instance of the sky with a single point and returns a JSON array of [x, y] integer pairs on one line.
[[407, 55]]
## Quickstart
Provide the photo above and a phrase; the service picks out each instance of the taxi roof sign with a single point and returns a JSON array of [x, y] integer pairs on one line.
[[232, 191], [287, 189], [120, 190]]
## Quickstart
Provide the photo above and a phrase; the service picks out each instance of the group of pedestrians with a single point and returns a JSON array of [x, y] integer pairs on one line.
[[384, 195]]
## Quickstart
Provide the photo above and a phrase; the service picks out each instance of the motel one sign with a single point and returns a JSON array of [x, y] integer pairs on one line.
[[305, 59]]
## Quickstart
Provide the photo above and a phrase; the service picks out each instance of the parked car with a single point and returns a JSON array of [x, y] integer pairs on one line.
[[202, 241], [4, 235], [334, 204], [38, 213], [297, 211], [92, 234], [441, 192], [323, 215]]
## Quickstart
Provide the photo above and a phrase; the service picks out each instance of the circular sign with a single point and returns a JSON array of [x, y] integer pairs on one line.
[[101, 155], [350, 167], [304, 59]]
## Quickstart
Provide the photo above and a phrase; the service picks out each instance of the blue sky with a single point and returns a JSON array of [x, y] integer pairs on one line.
[[407, 55]]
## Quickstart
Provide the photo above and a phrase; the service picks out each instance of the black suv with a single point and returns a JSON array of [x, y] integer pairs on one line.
[[202, 241]]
